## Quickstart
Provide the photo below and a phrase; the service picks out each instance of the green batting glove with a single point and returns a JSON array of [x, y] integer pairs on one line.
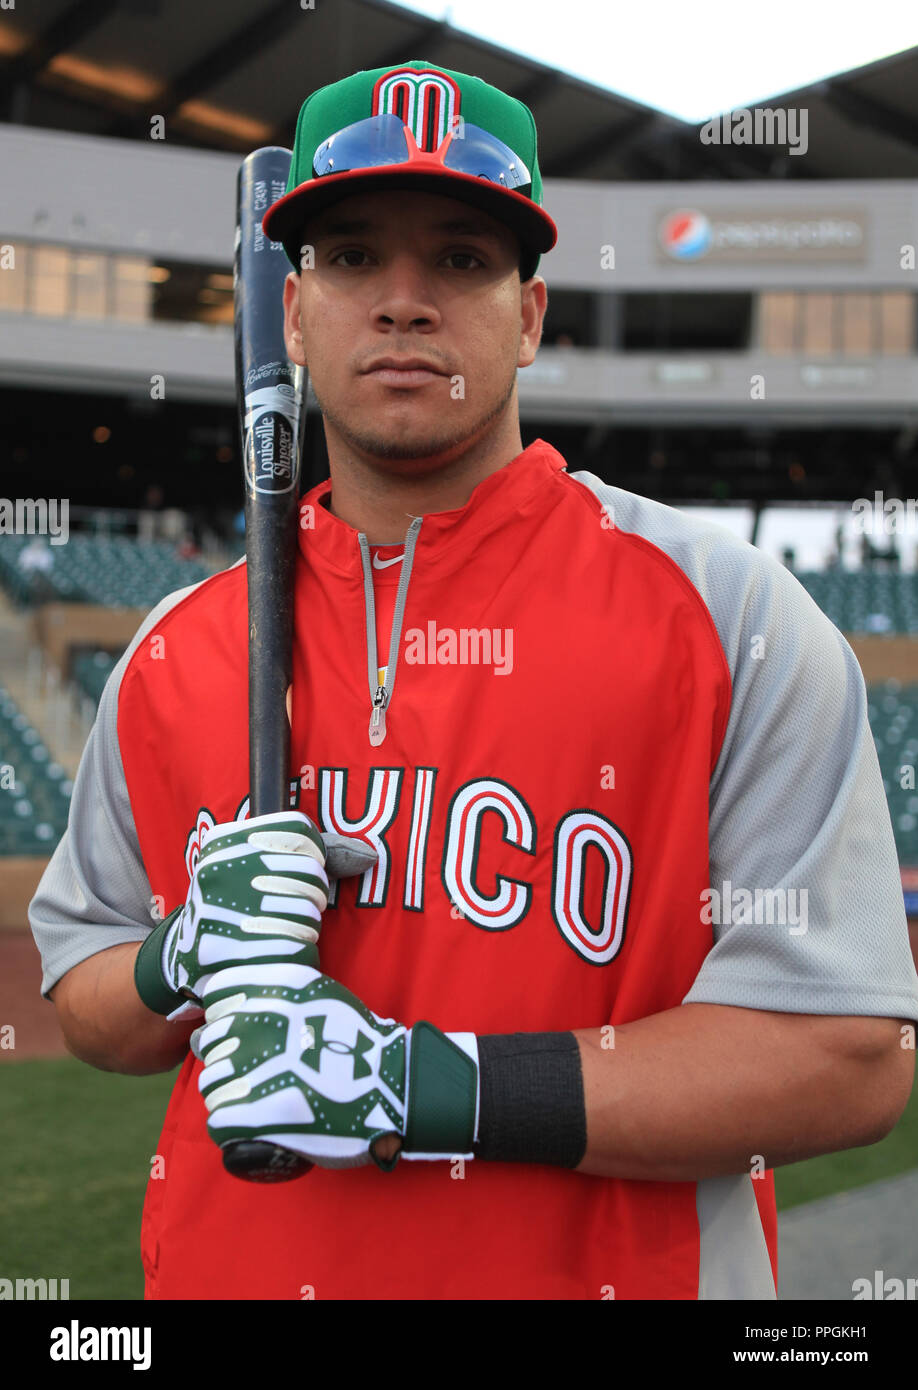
[[257, 895], [293, 1058]]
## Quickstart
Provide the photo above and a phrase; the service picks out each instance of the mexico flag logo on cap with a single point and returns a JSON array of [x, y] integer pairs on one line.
[[426, 100]]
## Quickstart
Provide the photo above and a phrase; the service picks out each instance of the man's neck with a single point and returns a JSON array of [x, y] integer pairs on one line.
[[382, 503]]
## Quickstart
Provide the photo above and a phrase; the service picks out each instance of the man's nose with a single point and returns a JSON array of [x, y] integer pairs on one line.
[[406, 295]]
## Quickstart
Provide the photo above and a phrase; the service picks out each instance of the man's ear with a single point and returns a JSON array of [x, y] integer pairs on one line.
[[293, 333], [533, 303]]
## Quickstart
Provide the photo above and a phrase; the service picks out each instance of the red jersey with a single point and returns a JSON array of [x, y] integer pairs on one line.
[[540, 807]]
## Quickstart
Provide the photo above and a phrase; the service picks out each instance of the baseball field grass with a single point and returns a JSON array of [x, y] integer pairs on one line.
[[76, 1154], [74, 1167]]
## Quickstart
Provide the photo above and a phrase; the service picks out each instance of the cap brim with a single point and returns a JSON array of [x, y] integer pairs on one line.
[[285, 219]]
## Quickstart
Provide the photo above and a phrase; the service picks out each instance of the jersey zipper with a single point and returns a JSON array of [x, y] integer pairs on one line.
[[381, 695]]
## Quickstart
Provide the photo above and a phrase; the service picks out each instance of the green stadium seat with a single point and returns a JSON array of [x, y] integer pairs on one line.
[[117, 572], [34, 811]]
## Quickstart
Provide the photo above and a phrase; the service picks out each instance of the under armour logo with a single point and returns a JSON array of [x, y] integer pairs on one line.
[[314, 1043]]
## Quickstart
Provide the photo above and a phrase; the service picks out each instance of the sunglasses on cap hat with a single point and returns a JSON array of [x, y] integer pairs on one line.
[[381, 141]]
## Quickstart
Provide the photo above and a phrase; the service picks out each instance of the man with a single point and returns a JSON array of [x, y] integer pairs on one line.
[[36, 561], [539, 1051]]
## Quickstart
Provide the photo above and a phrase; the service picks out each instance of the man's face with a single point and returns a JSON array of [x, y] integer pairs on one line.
[[412, 275]]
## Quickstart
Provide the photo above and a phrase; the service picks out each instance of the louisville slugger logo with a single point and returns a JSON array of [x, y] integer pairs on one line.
[[270, 438]]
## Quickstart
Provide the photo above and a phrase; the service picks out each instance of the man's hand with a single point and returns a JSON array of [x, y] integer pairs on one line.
[[294, 1058], [257, 895]]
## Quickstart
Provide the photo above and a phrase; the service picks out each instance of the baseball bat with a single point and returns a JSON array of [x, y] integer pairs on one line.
[[270, 392]]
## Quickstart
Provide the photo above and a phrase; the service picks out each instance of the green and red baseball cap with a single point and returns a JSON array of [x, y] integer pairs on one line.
[[416, 126]]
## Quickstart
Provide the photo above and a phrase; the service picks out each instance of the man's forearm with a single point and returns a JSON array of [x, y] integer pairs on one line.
[[705, 1090], [105, 1022]]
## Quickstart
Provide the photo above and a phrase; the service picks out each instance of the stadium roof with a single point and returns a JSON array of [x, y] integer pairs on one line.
[[232, 75]]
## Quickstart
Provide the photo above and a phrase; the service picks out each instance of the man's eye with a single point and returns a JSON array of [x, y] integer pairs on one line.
[[353, 251], [451, 256]]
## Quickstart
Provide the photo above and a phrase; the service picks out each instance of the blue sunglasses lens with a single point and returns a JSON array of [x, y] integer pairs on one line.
[[475, 151], [366, 144], [380, 140]]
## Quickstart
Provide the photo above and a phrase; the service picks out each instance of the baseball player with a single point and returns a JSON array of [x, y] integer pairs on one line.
[[585, 914]]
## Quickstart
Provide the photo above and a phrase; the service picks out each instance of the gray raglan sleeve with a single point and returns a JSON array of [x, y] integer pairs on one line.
[[811, 912], [95, 892], [797, 810]]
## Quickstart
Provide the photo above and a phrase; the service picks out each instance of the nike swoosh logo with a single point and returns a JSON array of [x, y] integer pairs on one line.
[[384, 564]]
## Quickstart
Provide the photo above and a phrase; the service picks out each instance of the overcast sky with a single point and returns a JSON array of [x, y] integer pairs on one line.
[[690, 61]]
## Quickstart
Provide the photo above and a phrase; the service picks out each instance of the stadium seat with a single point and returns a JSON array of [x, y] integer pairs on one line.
[[893, 712], [91, 670], [118, 572], [873, 602], [34, 810]]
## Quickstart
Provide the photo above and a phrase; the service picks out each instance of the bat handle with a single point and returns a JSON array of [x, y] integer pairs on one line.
[[258, 1161]]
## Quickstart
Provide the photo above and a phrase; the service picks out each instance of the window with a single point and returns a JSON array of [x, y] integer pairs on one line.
[[897, 323], [844, 323], [686, 321], [817, 332], [778, 323], [131, 288], [90, 285], [49, 281], [14, 276]]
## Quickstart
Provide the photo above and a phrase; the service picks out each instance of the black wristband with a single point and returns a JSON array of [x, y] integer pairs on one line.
[[531, 1105]]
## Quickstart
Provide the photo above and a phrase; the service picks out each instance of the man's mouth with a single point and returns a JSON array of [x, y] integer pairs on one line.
[[407, 371], [403, 376]]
